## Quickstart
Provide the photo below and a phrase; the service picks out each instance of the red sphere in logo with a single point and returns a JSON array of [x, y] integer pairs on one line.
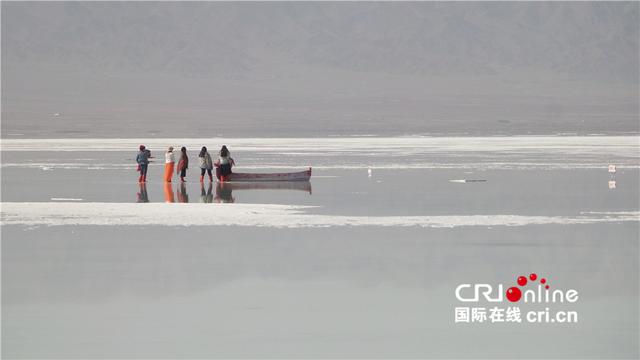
[[543, 280], [546, 286], [522, 281], [533, 277], [513, 294]]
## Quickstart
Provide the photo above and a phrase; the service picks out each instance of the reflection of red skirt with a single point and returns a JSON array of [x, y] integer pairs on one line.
[[168, 193], [168, 171]]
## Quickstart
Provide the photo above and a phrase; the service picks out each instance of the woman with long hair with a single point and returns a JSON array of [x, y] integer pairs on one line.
[[224, 164], [183, 163], [206, 165]]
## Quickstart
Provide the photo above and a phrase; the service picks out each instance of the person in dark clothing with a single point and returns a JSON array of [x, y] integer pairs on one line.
[[224, 164], [143, 163], [183, 163]]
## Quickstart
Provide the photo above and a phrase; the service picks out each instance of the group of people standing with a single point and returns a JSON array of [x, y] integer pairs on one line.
[[223, 164]]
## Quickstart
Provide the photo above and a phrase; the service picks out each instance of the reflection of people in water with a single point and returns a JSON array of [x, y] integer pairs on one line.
[[208, 196], [224, 164], [143, 197], [168, 193], [181, 193], [224, 193]]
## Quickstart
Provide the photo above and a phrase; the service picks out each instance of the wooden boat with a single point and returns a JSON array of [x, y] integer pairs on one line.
[[290, 176]]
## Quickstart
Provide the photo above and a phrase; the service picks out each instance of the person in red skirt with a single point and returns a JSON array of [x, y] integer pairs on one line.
[[169, 162]]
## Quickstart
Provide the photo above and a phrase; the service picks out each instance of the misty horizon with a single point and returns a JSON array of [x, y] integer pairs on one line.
[[154, 69]]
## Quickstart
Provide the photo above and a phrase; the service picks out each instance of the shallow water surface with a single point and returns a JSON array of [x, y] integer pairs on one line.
[[96, 265]]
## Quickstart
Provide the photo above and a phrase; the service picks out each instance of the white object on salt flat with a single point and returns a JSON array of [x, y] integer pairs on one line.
[[612, 168], [467, 180], [369, 172], [612, 184]]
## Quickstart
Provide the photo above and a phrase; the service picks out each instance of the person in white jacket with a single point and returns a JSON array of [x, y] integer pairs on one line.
[[169, 162]]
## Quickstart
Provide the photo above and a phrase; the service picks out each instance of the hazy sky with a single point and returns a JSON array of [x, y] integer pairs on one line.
[[282, 69]]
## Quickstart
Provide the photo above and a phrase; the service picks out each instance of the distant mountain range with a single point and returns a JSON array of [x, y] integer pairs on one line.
[[90, 53], [214, 39]]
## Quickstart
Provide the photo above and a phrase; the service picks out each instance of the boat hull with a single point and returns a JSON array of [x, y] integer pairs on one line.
[[291, 176]]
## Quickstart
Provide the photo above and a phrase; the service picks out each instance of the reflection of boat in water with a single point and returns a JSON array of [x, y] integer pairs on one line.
[[224, 190], [290, 176], [268, 185]]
